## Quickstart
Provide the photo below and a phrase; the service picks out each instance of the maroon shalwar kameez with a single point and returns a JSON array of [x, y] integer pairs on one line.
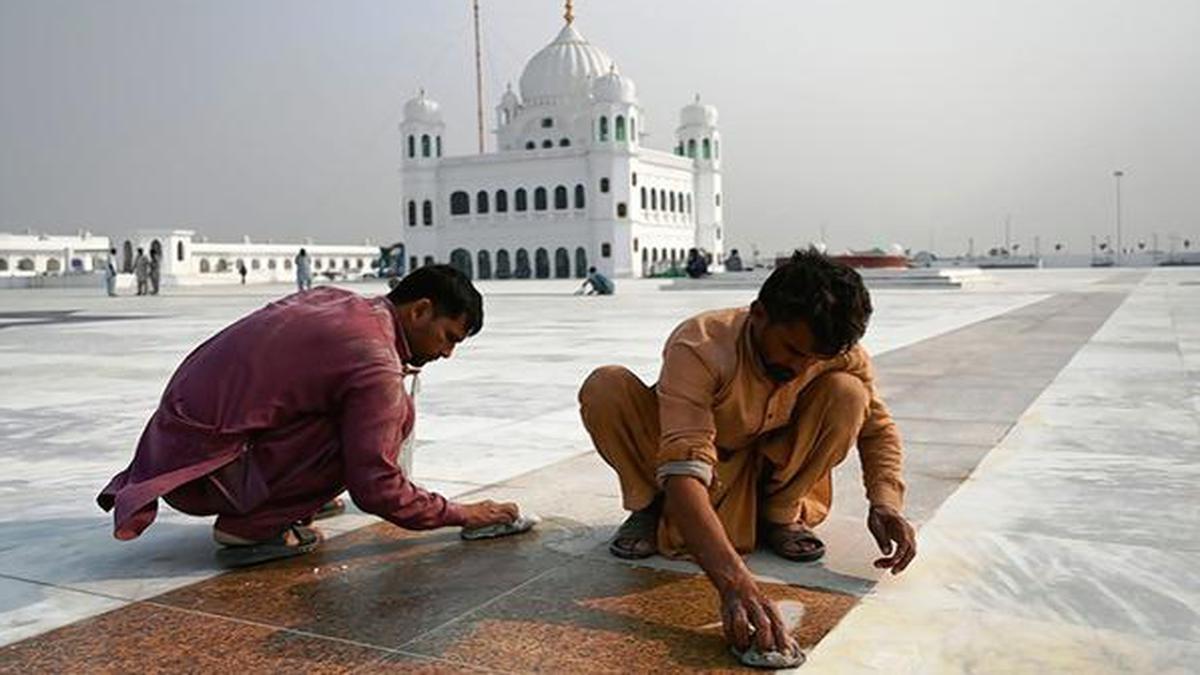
[[277, 414]]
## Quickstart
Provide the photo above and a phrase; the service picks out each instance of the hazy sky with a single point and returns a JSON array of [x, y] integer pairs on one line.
[[883, 121]]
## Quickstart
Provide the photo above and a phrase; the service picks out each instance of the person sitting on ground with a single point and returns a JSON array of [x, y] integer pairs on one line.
[[753, 409], [266, 422], [600, 284], [697, 265], [734, 262]]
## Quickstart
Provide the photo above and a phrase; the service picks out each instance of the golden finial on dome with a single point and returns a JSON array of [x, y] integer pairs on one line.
[[569, 15]]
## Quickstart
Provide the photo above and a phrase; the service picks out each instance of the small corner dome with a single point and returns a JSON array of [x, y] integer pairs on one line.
[[509, 99], [563, 69], [422, 109], [698, 114], [612, 87]]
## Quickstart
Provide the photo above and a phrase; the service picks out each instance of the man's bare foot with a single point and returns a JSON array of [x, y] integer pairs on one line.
[[795, 541]]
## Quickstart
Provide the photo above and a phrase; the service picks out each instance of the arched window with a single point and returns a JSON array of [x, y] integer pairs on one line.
[[633, 129], [501, 201], [679, 149], [317, 264], [523, 271], [560, 197], [620, 125], [539, 199], [439, 146], [481, 202], [562, 264], [126, 257], [707, 145], [580, 262], [633, 177], [485, 264], [622, 210], [717, 199], [287, 263], [662, 199], [345, 263], [205, 267], [503, 266], [412, 145], [547, 143], [272, 264], [460, 259], [580, 197], [460, 203], [606, 250], [412, 262], [412, 213], [643, 198], [521, 199], [691, 148], [428, 261], [671, 202], [653, 200], [427, 212], [716, 148], [689, 202], [426, 150], [530, 145], [541, 263], [255, 264], [564, 142], [603, 128], [645, 261], [604, 185]]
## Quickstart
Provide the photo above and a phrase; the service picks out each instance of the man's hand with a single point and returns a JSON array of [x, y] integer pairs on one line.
[[896, 538], [751, 618], [489, 512]]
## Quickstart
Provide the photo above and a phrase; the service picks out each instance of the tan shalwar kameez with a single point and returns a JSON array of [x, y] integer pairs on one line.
[[766, 450]]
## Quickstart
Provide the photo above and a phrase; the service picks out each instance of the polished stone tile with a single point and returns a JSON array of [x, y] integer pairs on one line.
[[594, 616], [379, 585], [149, 638]]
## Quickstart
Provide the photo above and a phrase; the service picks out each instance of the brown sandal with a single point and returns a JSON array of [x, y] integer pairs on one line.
[[795, 542], [637, 537], [277, 548]]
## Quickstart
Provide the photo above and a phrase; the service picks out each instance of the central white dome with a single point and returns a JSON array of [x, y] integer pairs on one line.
[[563, 69]]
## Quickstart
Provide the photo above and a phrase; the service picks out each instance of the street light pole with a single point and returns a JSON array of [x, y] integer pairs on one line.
[[1117, 175]]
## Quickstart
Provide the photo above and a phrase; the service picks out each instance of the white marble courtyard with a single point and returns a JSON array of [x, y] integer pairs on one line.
[[1069, 547]]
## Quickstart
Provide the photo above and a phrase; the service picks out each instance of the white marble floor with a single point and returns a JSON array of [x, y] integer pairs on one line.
[[1072, 547], [77, 386]]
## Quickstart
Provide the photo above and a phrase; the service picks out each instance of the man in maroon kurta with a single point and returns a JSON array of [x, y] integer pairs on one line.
[[296, 402]]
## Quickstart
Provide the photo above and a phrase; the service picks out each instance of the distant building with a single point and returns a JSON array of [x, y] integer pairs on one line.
[[185, 258], [570, 184], [33, 254]]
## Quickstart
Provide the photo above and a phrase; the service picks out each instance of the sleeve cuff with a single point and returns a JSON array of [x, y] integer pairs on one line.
[[688, 467], [886, 494], [455, 515]]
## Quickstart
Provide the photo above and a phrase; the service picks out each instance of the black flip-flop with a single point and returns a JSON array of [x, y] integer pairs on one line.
[[641, 526], [775, 535], [244, 555], [331, 508]]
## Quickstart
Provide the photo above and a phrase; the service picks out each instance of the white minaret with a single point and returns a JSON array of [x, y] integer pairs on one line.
[[421, 208], [615, 120], [698, 138]]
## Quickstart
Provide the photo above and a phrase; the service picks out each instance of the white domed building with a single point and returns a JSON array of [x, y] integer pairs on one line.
[[570, 184]]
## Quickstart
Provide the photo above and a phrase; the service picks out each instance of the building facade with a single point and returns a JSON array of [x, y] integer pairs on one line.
[[33, 254], [570, 185]]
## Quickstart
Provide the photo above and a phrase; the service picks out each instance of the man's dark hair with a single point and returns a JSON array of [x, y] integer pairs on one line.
[[449, 290], [828, 296]]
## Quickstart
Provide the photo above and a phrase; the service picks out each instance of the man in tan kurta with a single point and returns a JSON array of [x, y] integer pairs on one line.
[[755, 406]]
